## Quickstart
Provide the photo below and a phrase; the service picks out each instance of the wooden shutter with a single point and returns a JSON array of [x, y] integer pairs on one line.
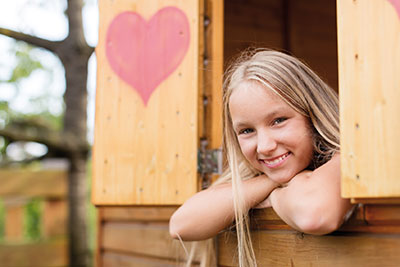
[[147, 102], [369, 86]]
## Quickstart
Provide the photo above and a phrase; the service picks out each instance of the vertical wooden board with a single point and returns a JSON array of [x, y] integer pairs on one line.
[[252, 23], [146, 126], [312, 36], [214, 72], [54, 218], [14, 222], [369, 80]]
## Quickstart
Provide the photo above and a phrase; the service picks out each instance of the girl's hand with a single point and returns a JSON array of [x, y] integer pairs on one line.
[[311, 202], [211, 210]]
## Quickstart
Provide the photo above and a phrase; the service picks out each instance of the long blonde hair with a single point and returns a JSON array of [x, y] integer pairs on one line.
[[301, 89]]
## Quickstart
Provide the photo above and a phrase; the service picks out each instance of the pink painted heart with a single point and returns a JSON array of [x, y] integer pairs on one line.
[[396, 4], [144, 53]]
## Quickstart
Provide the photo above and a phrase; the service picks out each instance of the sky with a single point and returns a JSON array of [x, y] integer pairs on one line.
[[45, 19]]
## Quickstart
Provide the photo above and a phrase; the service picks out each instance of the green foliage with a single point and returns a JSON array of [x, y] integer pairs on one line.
[[32, 221], [26, 64]]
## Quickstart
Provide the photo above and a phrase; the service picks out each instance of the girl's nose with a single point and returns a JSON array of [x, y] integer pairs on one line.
[[265, 144]]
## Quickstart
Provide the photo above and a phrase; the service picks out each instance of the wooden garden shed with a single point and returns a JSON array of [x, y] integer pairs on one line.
[[158, 122]]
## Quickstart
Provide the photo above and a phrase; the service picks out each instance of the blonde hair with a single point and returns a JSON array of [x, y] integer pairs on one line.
[[302, 89]]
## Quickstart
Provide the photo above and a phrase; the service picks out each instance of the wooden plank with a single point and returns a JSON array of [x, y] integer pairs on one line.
[[369, 63], [312, 30], [137, 213], [54, 218], [382, 214], [286, 248], [214, 72], [213, 75], [98, 259], [386, 200], [49, 253], [14, 229], [146, 239], [24, 183], [365, 219], [145, 150], [112, 259], [255, 23]]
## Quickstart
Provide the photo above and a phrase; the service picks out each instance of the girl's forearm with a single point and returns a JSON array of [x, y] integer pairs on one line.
[[210, 211], [311, 202]]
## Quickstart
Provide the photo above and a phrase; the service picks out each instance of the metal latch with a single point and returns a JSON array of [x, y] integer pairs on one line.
[[209, 161]]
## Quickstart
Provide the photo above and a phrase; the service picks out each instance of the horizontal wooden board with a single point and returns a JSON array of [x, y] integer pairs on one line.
[[49, 253], [287, 248], [147, 239], [365, 219], [383, 214], [112, 259], [28, 184], [137, 213], [378, 200]]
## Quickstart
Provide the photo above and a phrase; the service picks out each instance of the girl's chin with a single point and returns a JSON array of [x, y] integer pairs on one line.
[[280, 179]]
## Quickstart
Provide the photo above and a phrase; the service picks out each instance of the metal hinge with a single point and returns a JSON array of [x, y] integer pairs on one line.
[[209, 161]]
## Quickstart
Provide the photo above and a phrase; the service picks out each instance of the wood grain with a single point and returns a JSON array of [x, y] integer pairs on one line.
[[111, 259], [255, 23], [285, 248], [49, 253], [54, 218], [369, 64], [44, 183], [146, 155], [312, 30], [13, 226], [137, 213], [146, 239]]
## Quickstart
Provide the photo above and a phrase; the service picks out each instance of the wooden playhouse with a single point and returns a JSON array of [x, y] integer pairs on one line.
[[158, 122]]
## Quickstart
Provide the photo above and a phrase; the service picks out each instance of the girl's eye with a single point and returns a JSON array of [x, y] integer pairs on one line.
[[278, 121], [246, 131]]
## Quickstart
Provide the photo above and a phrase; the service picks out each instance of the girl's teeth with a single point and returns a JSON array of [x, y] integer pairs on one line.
[[277, 160]]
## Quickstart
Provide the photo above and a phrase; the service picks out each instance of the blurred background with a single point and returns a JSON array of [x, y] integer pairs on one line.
[[47, 88]]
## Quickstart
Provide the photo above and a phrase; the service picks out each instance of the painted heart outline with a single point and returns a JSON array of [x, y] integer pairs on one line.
[[396, 5], [144, 53]]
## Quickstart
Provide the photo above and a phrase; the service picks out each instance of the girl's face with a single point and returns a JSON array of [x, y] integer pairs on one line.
[[273, 137]]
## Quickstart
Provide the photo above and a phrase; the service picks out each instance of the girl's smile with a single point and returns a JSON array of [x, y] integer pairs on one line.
[[276, 161], [273, 137]]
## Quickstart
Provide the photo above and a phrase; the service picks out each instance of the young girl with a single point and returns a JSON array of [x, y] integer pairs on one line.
[[281, 139]]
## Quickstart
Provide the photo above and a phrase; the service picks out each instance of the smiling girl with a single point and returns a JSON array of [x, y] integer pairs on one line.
[[281, 139]]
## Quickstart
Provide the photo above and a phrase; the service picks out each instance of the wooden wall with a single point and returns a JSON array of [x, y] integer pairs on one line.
[[138, 237], [305, 29], [49, 188], [370, 238]]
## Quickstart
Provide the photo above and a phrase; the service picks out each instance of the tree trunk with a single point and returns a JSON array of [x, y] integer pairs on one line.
[[74, 53]]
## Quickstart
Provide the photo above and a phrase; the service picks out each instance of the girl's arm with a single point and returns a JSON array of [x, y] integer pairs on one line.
[[211, 210], [311, 201]]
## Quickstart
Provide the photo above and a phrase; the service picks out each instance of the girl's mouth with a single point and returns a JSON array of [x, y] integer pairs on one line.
[[276, 162]]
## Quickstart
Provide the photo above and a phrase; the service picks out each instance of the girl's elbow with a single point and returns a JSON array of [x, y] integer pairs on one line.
[[175, 228], [318, 224]]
